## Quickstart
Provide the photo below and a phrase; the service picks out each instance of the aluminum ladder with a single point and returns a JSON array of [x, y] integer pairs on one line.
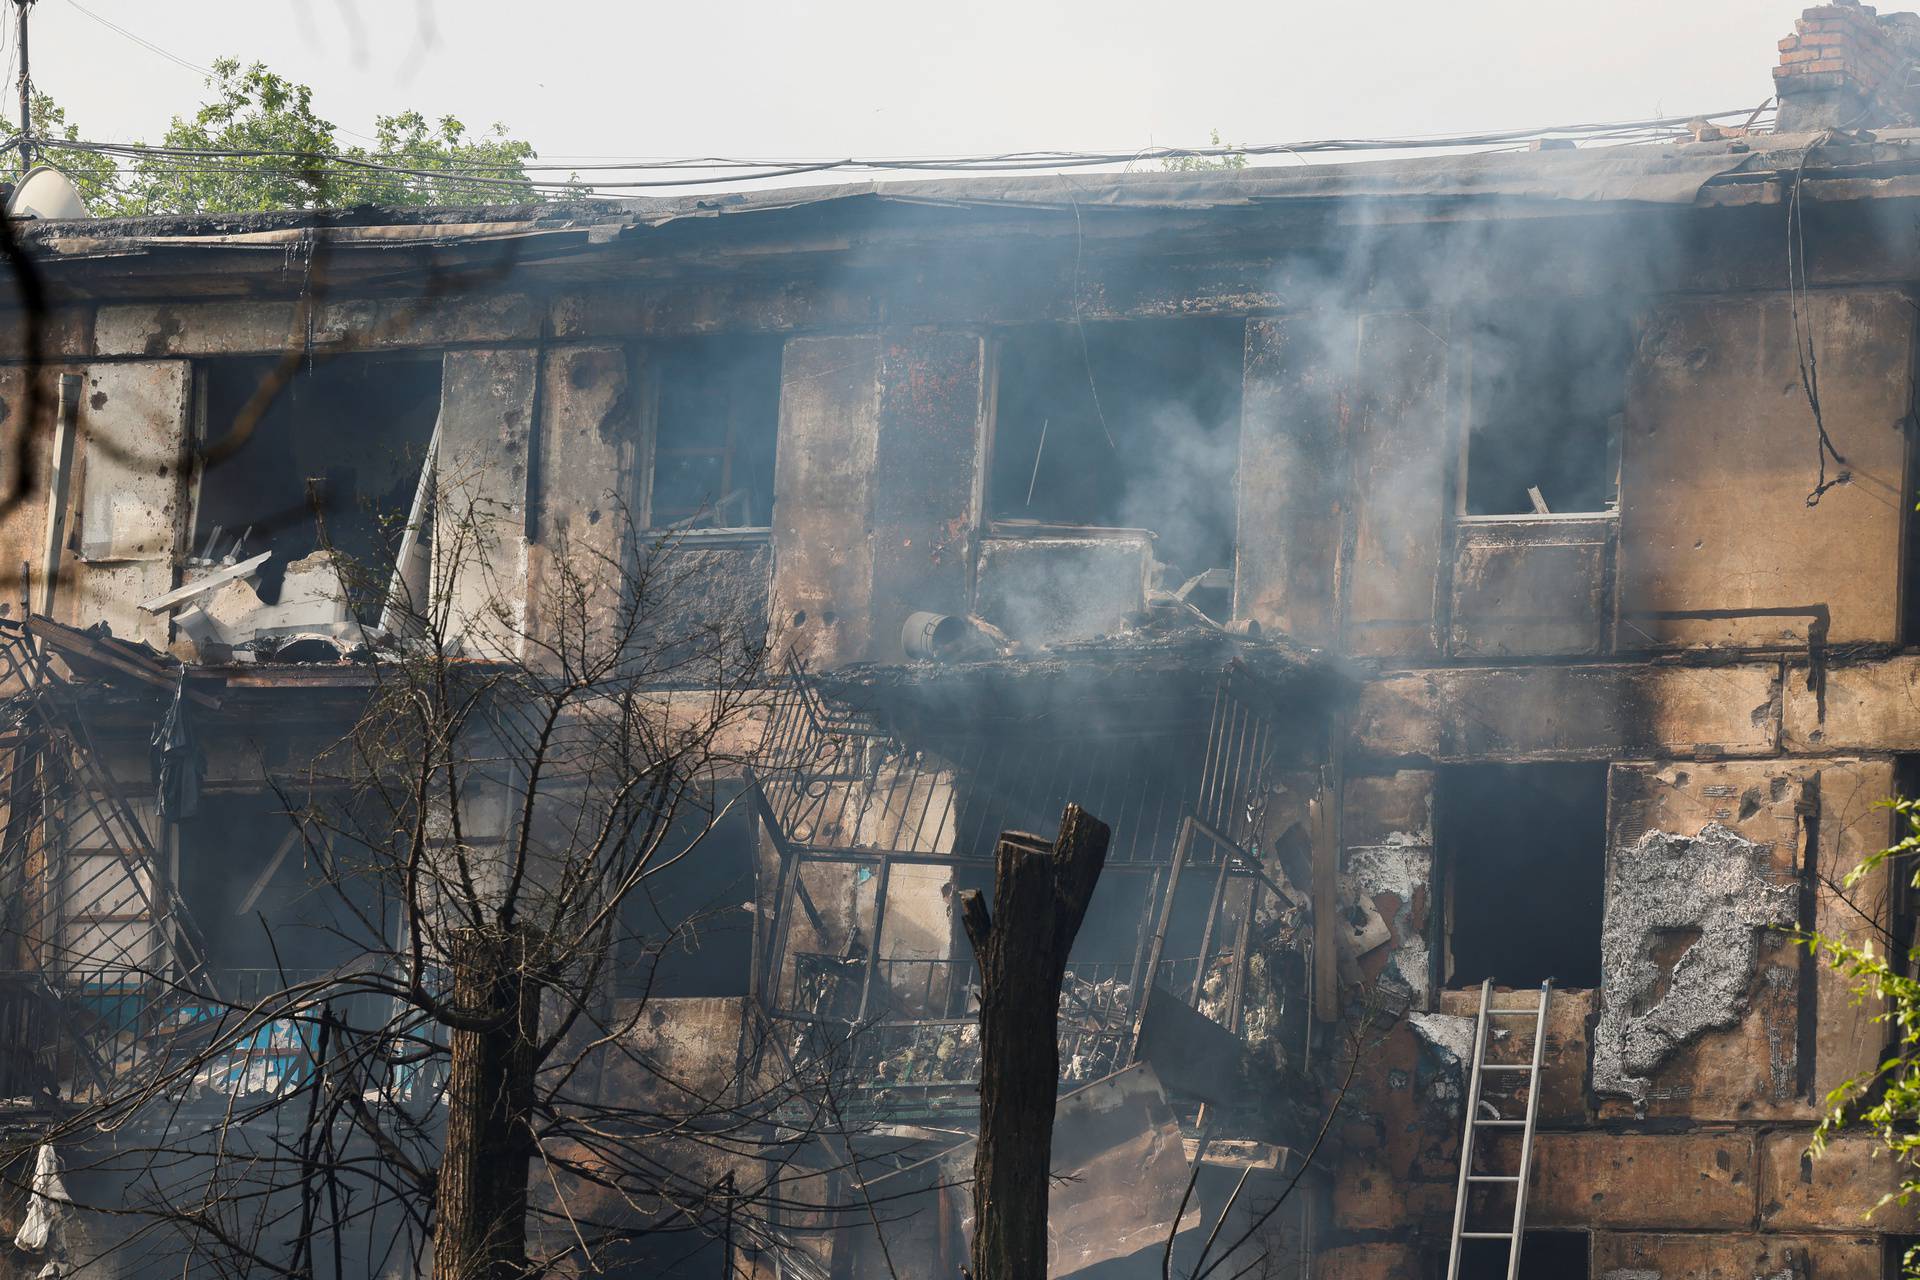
[[1482, 1041]]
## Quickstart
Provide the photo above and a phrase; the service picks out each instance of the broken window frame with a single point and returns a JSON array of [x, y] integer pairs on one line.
[[1006, 528], [651, 367], [1465, 327], [193, 540], [832, 744], [723, 799]]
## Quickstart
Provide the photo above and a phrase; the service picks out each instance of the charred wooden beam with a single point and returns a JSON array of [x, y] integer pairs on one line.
[[1040, 897]]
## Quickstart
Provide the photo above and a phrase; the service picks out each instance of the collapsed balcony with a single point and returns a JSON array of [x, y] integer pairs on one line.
[[882, 793]]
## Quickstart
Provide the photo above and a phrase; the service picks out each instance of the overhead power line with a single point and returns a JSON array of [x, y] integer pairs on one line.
[[140, 40], [714, 170]]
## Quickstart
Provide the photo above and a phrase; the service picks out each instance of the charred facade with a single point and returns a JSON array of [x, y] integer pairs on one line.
[[1494, 567]]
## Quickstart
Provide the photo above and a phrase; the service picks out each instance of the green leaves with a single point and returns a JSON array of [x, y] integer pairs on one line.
[[257, 143], [1196, 164], [1885, 1099]]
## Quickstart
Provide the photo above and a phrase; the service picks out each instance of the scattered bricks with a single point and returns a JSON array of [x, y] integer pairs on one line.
[[1837, 1191]]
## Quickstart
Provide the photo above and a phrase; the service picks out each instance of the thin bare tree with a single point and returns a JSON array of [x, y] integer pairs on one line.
[[466, 1090]]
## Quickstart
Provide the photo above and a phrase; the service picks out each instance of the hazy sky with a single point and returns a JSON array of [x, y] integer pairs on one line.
[[866, 77]]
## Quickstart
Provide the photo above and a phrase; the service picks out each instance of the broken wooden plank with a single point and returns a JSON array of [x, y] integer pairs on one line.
[[70, 641], [179, 595], [66, 421]]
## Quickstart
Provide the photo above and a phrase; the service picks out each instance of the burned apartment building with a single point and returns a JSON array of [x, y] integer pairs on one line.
[[1490, 568]]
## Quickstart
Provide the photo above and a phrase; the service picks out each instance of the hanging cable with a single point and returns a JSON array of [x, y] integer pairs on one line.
[[1805, 353]]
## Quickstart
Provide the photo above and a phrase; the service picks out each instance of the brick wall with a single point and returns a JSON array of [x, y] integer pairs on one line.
[[1846, 66]]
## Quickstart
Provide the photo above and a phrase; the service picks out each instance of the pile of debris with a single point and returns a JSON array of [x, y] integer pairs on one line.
[[220, 614]]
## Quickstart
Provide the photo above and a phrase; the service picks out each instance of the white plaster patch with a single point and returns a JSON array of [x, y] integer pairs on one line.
[[1713, 885]]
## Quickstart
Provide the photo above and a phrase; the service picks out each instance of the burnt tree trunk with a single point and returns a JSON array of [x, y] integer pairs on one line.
[[1040, 896], [480, 1203]]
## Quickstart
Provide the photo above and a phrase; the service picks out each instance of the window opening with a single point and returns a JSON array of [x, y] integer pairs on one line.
[[1525, 851], [688, 925], [1546, 1255], [1547, 409], [1123, 425], [341, 445], [715, 425], [248, 877]]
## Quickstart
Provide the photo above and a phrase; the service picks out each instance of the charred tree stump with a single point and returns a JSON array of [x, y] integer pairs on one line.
[[1040, 896], [480, 1202]]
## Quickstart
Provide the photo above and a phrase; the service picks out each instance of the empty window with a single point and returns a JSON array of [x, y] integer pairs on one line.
[[1131, 425], [715, 424], [1525, 851], [339, 446], [1547, 405], [1546, 1255], [263, 906], [687, 928]]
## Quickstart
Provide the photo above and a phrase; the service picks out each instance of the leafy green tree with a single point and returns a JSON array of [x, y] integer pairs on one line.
[[1885, 1099], [96, 176], [467, 168], [258, 143], [253, 110]]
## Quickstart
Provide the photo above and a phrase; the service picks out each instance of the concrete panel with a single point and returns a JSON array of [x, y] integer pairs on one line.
[[1293, 474], [582, 516], [1852, 825], [1039, 590], [1643, 1181], [1382, 1261], [1751, 1069], [1563, 1092], [231, 328], [707, 587], [1720, 457], [192, 328], [1635, 1256], [129, 521], [1526, 586], [823, 508], [1871, 705], [480, 511], [733, 303], [1401, 455], [1570, 713], [926, 461], [1836, 1192], [66, 333]]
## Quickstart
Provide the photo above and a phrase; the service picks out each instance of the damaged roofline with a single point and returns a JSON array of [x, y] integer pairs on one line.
[[1534, 183]]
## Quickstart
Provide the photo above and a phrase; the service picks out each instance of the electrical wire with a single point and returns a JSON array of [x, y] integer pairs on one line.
[[481, 176], [142, 41]]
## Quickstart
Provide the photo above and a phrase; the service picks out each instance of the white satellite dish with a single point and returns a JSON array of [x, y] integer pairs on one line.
[[48, 194]]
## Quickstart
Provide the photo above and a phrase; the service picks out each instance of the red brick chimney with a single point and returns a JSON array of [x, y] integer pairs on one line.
[[1848, 67]]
